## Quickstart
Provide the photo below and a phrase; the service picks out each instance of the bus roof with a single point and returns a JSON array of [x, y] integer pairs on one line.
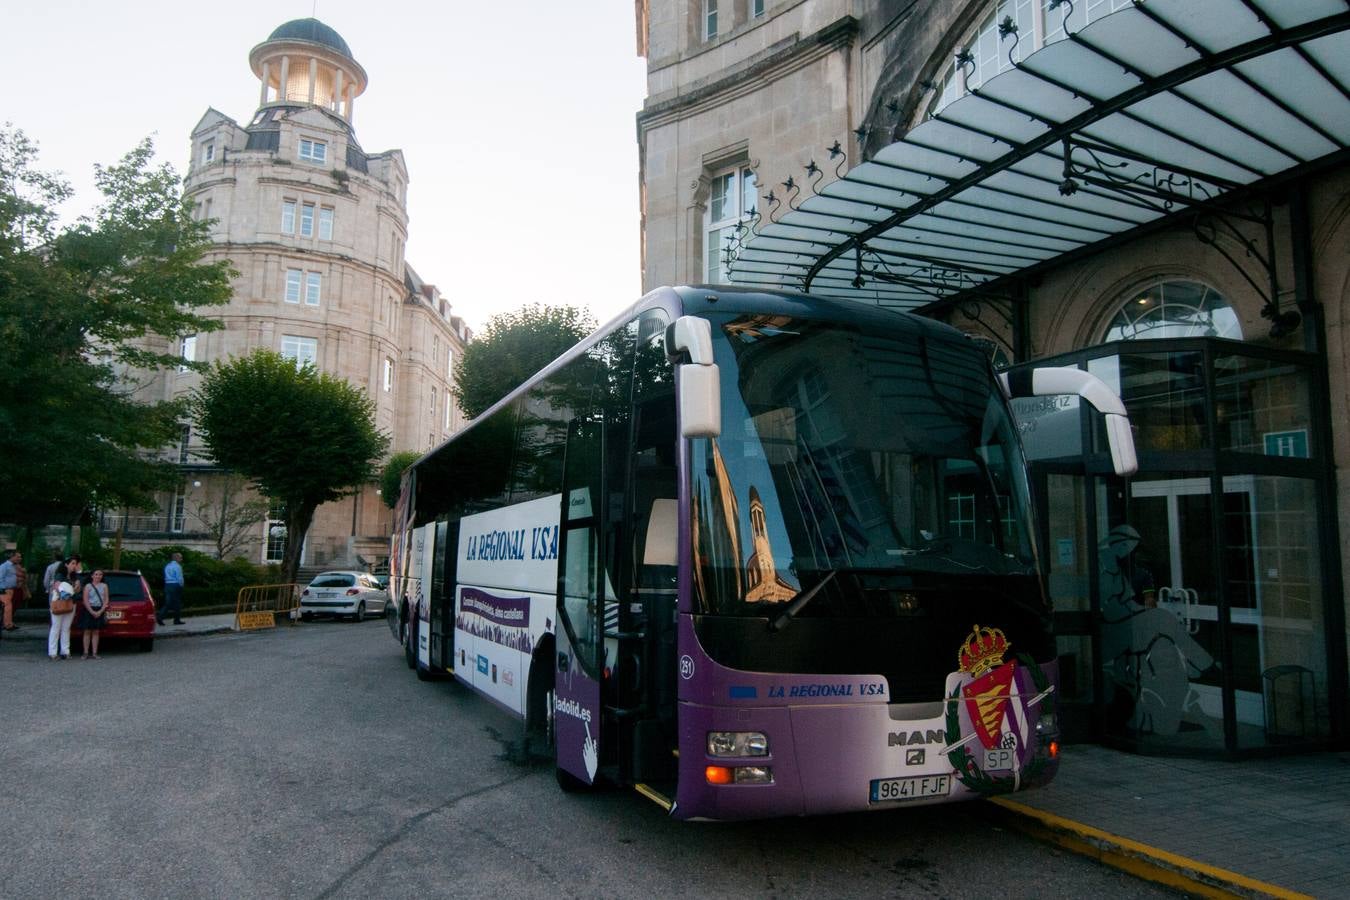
[[721, 298]]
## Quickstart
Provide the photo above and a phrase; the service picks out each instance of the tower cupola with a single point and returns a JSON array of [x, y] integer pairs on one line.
[[305, 62]]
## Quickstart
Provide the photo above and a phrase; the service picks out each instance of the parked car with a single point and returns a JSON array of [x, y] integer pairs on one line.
[[131, 609], [354, 594]]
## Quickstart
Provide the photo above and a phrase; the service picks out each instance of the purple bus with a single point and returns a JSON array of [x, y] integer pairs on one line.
[[753, 554]]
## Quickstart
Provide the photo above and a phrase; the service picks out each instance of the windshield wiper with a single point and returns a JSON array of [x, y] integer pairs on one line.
[[799, 601]]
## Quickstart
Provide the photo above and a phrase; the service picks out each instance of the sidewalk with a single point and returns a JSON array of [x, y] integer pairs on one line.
[[31, 629], [1271, 827]]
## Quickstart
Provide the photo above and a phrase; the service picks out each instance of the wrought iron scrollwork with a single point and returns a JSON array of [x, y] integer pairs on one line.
[[965, 61], [793, 189], [1064, 23], [774, 203], [1009, 27], [1160, 187], [931, 277], [836, 151]]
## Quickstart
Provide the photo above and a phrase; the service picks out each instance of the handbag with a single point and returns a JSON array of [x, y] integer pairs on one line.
[[62, 605]]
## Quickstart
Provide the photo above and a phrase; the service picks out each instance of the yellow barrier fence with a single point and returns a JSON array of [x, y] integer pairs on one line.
[[259, 604]]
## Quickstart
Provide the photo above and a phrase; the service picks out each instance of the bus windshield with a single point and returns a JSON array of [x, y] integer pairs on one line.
[[886, 454]]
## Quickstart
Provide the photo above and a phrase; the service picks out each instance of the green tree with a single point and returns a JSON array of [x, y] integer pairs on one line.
[[513, 347], [303, 437], [86, 310], [391, 477]]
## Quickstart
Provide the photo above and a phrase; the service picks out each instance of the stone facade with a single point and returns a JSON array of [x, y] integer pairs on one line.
[[316, 229]]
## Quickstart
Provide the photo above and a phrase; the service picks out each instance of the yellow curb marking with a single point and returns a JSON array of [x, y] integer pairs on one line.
[[1151, 857]]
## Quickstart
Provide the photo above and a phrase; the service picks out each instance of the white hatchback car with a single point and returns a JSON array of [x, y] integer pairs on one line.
[[354, 594]]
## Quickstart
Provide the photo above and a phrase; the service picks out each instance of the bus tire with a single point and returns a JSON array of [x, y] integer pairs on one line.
[[570, 783], [539, 702]]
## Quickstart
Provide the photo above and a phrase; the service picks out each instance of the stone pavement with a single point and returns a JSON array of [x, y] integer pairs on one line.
[[1270, 827], [1257, 828]]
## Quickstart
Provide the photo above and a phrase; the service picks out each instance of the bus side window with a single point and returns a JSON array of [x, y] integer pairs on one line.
[[659, 550]]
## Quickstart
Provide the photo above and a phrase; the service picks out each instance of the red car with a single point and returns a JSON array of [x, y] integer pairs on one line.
[[131, 609]]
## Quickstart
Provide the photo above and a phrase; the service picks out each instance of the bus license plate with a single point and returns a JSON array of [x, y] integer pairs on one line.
[[888, 789]]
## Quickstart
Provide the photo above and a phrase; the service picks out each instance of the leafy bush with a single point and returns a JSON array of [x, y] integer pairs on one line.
[[209, 582]]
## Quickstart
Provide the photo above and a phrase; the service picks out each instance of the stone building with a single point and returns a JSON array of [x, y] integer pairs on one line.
[[316, 227], [1154, 190]]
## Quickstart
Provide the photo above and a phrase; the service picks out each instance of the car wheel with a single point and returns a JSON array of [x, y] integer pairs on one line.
[[146, 645], [360, 614], [306, 615]]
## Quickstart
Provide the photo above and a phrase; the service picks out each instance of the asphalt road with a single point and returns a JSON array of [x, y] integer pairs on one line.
[[309, 762]]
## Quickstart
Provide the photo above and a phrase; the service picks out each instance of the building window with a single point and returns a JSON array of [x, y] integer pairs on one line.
[[448, 407], [204, 210], [709, 19], [179, 504], [288, 217], [450, 364], [433, 402], [313, 151], [208, 151], [388, 374], [731, 206], [184, 439], [305, 351], [293, 277], [189, 351], [757, 8], [313, 281], [1174, 309], [326, 223], [274, 549], [307, 220]]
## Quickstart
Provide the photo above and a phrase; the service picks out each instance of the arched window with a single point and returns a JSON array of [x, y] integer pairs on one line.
[[1170, 309]]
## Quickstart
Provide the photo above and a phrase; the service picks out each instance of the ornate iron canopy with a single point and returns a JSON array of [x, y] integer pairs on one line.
[[1162, 107]]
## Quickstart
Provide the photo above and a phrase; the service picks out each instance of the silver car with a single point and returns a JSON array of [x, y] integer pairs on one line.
[[355, 594]]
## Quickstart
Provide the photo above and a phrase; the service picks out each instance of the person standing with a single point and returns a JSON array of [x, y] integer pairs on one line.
[[94, 612], [62, 608], [9, 580], [49, 574], [173, 590]]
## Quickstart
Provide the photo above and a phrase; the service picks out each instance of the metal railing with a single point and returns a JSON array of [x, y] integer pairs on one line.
[[258, 605]]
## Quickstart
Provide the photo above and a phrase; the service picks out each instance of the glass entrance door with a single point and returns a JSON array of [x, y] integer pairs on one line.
[[1160, 605]]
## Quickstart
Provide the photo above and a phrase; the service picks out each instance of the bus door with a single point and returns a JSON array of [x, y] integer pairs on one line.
[[442, 596], [579, 637], [645, 673]]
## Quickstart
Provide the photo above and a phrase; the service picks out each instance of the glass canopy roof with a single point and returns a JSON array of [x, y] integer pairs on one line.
[[1157, 108]]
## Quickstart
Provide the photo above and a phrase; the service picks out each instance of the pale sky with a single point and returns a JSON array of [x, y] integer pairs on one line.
[[516, 121]]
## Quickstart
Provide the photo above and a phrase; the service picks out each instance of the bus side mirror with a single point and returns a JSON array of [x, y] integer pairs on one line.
[[700, 395], [1049, 381]]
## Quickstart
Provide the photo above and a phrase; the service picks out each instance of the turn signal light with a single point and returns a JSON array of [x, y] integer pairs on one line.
[[718, 774], [1054, 749]]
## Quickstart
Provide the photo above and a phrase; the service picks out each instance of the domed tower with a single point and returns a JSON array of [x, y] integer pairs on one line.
[[315, 227], [306, 62]]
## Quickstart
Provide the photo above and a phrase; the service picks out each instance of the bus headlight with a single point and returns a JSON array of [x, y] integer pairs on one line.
[[737, 743]]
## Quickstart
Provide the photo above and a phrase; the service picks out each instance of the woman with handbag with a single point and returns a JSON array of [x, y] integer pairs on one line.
[[93, 611], [61, 604]]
